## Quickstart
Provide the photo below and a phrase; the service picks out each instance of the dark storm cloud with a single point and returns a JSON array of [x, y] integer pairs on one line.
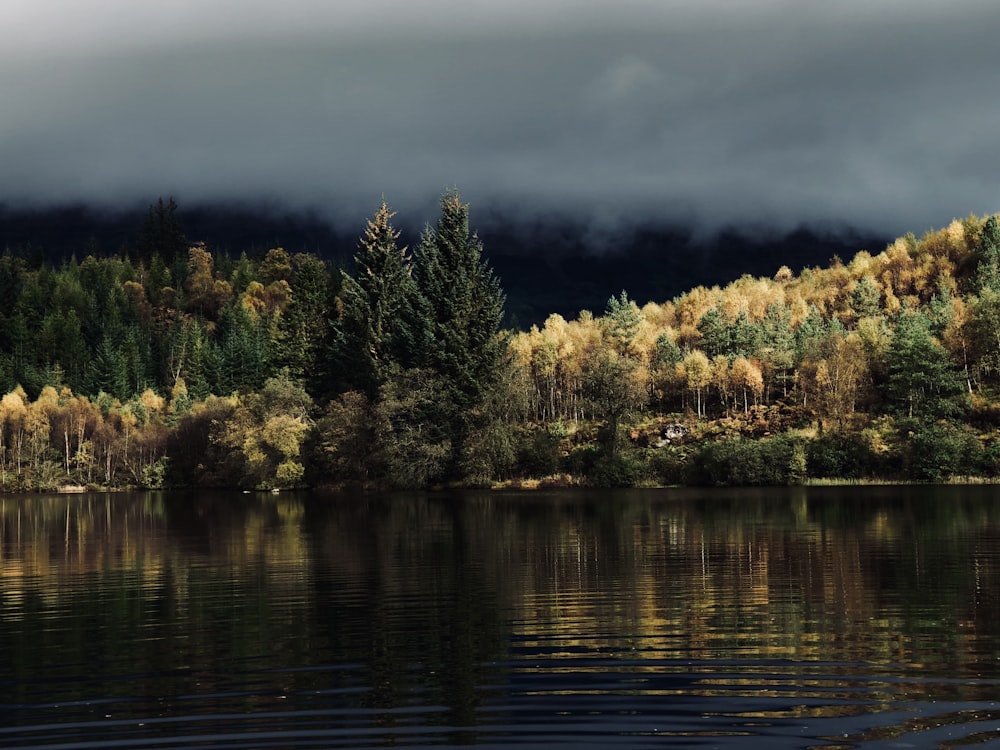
[[773, 114]]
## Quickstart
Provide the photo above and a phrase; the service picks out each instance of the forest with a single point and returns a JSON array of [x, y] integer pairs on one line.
[[170, 365]]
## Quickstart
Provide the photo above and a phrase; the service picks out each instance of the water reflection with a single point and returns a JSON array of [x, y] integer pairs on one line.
[[809, 618]]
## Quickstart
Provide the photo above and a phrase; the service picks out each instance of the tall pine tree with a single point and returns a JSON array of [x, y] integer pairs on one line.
[[455, 329], [369, 335]]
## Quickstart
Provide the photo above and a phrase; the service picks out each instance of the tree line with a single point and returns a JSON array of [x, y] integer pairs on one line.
[[171, 365]]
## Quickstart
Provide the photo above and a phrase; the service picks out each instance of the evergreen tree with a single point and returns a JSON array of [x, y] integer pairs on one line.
[[810, 335], [191, 356], [986, 332], [923, 382], [161, 234], [23, 351], [716, 333], [157, 279], [940, 311], [62, 344], [109, 370], [747, 337], [866, 299], [368, 338], [244, 271], [668, 354], [621, 322], [456, 321], [243, 351], [777, 351], [988, 269], [137, 354], [303, 326], [11, 281]]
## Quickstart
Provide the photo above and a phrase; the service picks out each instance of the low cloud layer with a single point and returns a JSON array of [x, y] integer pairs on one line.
[[777, 114]]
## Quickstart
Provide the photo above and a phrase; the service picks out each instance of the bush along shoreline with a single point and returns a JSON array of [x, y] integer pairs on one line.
[[169, 365]]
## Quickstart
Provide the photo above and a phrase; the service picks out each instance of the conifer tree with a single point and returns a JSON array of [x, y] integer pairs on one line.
[[988, 270], [108, 370], [716, 333], [986, 332], [668, 354], [461, 306], [303, 326], [161, 234], [923, 382], [369, 336], [809, 336], [244, 350], [777, 347], [621, 323], [454, 328], [866, 298], [747, 337]]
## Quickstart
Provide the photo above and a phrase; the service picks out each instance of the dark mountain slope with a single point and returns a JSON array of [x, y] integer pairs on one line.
[[544, 267]]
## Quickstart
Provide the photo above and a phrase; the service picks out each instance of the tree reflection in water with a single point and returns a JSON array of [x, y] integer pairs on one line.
[[492, 618]]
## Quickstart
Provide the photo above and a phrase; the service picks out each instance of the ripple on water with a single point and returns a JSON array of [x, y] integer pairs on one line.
[[494, 625], [589, 701]]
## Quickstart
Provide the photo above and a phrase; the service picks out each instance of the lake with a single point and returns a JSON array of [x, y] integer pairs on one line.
[[778, 618]]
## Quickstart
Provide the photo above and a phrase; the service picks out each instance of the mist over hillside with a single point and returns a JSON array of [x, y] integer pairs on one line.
[[560, 270], [545, 266]]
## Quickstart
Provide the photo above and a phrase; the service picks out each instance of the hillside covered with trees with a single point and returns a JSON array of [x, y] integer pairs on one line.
[[172, 365]]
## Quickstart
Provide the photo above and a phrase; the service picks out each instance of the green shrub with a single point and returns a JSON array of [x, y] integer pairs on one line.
[[668, 465], [581, 459], [738, 461], [939, 450], [840, 455], [621, 469], [539, 454]]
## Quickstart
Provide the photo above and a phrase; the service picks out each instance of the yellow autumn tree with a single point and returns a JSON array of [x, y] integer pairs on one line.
[[12, 414], [748, 379], [206, 294], [697, 371]]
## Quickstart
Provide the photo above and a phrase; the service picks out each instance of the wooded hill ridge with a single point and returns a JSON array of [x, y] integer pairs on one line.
[[176, 366]]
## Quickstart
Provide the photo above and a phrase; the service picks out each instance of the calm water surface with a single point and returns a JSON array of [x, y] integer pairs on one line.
[[819, 618]]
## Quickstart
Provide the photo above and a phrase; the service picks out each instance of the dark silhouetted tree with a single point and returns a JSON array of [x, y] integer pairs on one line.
[[455, 326], [161, 234], [369, 337]]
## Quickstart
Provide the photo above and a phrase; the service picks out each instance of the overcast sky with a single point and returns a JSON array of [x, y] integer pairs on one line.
[[883, 115]]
